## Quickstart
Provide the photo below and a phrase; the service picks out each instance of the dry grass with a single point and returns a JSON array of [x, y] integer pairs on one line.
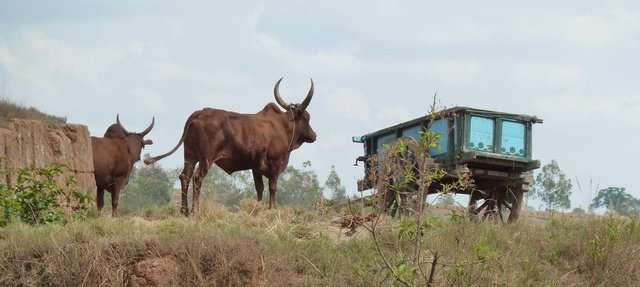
[[10, 110], [293, 247]]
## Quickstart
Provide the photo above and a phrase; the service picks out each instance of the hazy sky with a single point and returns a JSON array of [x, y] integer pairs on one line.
[[375, 63]]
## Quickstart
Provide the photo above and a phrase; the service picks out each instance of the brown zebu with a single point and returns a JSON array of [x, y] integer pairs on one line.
[[260, 142], [113, 159]]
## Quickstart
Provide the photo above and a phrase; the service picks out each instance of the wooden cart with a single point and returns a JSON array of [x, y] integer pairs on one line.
[[493, 148]]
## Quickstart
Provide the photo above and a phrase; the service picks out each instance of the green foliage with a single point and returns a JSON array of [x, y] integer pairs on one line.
[[36, 194], [553, 187], [408, 227], [298, 187], [37, 198], [484, 249], [408, 172], [228, 189], [405, 272], [9, 205], [148, 186], [304, 251], [456, 216], [578, 211], [617, 200], [334, 185]]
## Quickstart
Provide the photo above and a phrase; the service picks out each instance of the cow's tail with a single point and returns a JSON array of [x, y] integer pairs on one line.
[[157, 158]]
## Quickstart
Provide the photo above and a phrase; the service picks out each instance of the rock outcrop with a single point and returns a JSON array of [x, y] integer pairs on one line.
[[29, 143], [155, 272]]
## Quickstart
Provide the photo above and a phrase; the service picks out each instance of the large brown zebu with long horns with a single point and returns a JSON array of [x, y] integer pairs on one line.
[[260, 142], [113, 157]]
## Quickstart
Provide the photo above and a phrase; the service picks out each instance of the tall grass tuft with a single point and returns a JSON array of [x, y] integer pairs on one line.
[[10, 110]]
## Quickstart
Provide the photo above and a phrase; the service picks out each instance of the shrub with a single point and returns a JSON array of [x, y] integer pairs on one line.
[[36, 198]]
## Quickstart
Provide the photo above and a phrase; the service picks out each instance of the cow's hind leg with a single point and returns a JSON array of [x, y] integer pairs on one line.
[[258, 183], [185, 179], [273, 186], [201, 173]]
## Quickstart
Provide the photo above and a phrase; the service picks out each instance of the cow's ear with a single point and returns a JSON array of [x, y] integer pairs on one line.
[[147, 142]]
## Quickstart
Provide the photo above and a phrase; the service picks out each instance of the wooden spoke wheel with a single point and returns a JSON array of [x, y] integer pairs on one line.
[[501, 204], [398, 166]]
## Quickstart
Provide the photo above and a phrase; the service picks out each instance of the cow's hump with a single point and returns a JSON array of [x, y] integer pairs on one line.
[[115, 131], [271, 108]]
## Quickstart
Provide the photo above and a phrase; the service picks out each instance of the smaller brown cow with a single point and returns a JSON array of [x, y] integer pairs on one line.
[[113, 159]]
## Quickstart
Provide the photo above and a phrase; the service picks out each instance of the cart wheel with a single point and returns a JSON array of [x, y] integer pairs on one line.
[[515, 198], [401, 200], [502, 204], [482, 205]]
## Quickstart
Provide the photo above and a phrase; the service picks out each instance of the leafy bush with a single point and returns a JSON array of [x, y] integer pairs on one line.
[[36, 198], [8, 204]]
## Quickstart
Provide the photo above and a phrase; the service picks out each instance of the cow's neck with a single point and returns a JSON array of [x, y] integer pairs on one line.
[[290, 127]]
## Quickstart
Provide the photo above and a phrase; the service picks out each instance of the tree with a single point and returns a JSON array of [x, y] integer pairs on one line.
[[553, 187], [298, 187], [228, 189], [148, 186], [578, 211], [617, 200], [335, 187]]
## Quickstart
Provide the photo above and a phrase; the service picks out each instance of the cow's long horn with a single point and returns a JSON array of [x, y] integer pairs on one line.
[[276, 94], [147, 130], [307, 100], [120, 125]]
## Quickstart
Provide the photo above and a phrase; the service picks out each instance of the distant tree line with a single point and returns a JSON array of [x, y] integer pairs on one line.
[[297, 187], [300, 187], [554, 188]]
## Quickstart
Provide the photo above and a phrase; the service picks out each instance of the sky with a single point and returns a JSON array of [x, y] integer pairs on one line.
[[375, 63]]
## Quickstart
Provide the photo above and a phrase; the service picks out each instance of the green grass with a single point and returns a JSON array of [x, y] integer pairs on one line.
[[294, 247]]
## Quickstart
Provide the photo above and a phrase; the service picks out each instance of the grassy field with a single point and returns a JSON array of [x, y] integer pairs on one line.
[[288, 247]]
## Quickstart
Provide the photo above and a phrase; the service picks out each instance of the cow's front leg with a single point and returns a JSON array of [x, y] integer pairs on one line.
[[115, 194], [100, 199], [273, 185], [258, 183]]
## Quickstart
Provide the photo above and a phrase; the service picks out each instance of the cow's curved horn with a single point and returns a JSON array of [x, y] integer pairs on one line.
[[276, 94], [147, 130], [307, 100], [120, 125]]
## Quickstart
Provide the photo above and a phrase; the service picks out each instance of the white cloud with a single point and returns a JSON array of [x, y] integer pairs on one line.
[[347, 104], [387, 116], [147, 100], [613, 27], [374, 63], [547, 74], [6, 56]]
